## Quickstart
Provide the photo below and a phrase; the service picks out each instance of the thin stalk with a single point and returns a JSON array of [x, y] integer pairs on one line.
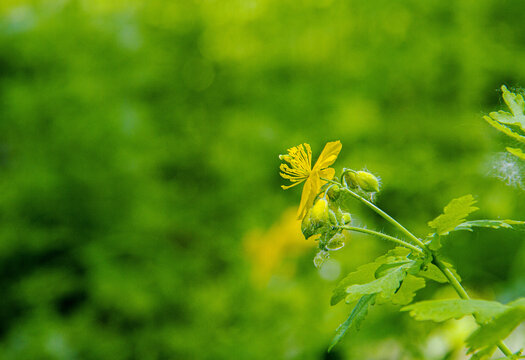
[[383, 236], [383, 214]]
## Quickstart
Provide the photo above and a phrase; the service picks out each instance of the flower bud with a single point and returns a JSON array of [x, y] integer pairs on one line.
[[367, 181], [319, 214], [346, 218], [336, 242], [320, 258], [351, 179], [334, 192], [315, 218]]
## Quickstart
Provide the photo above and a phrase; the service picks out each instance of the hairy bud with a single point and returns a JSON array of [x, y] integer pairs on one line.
[[351, 179], [367, 181], [336, 242], [333, 192], [320, 258], [346, 218]]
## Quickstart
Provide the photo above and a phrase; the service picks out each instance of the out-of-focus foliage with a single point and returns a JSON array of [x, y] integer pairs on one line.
[[139, 143]]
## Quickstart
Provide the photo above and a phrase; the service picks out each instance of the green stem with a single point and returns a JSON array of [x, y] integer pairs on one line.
[[460, 290], [383, 214], [381, 235], [454, 282]]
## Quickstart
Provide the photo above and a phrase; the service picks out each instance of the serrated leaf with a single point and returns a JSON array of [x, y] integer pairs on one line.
[[484, 354], [432, 272], [504, 129], [354, 320], [516, 106], [516, 152], [408, 289], [454, 214], [366, 273], [441, 310], [493, 224], [385, 286], [496, 330], [384, 269]]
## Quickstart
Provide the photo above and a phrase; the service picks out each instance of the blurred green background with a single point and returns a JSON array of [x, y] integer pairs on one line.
[[141, 215]]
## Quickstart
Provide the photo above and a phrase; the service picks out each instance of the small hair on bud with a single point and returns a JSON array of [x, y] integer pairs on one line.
[[367, 181], [350, 179]]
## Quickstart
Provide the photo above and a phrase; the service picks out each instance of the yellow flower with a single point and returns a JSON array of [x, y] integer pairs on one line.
[[300, 159]]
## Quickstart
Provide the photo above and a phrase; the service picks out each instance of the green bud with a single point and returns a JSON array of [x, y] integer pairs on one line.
[[367, 181], [333, 218], [334, 192], [346, 218], [320, 258], [319, 214], [351, 179], [336, 242]]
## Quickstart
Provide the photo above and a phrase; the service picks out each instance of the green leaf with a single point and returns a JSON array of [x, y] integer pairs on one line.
[[516, 303], [493, 224], [504, 128], [516, 106], [454, 214], [408, 289], [484, 354], [441, 310], [496, 330], [516, 152], [366, 273], [354, 320], [432, 272], [386, 285]]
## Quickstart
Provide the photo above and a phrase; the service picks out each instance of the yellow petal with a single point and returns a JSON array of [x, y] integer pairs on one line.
[[328, 155], [327, 173], [303, 206], [310, 190]]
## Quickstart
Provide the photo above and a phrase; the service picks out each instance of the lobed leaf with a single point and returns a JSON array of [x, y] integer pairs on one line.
[[354, 320], [408, 289], [454, 214], [441, 310], [386, 286], [516, 106], [432, 272], [498, 329], [493, 224], [366, 273], [504, 129], [516, 152]]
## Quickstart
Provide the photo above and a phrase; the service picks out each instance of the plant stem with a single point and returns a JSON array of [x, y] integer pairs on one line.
[[383, 214], [460, 290], [381, 235], [454, 282]]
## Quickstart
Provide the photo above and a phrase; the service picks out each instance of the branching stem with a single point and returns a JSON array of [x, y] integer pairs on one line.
[[454, 282]]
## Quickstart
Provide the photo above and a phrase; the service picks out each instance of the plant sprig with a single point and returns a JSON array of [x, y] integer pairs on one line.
[[396, 276]]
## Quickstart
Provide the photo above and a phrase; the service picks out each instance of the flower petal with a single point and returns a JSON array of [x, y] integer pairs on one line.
[[328, 155], [305, 199], [327, 173]]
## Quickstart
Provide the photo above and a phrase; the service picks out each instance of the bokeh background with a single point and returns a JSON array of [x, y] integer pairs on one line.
[[141, 215]]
